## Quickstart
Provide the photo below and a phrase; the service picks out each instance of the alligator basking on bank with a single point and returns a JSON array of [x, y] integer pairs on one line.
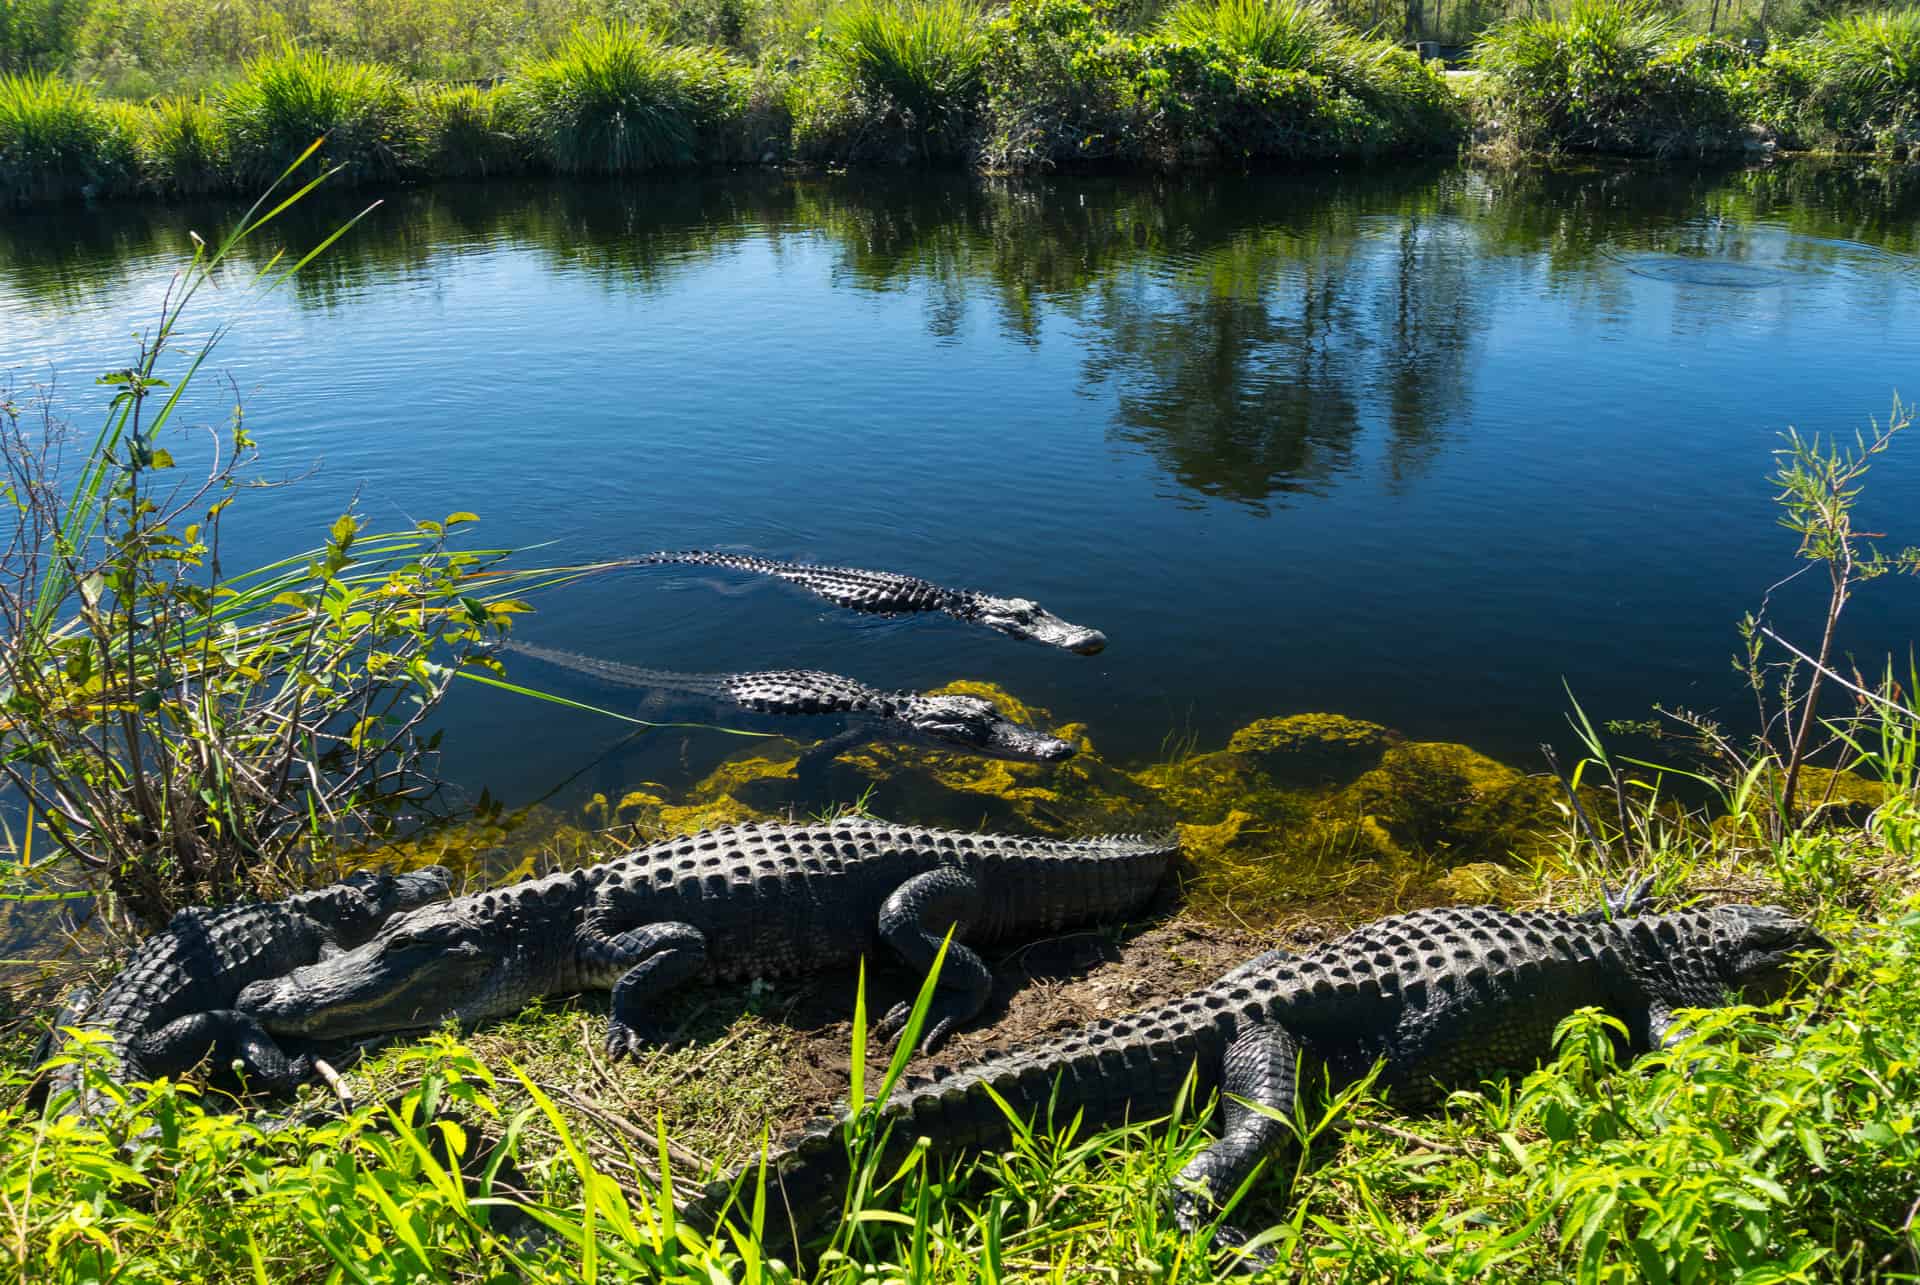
[[950, 722], [1440, 999], [732, 903], [889, 593], [173, 1004]]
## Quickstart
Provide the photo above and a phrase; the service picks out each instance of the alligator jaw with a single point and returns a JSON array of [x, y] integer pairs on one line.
[[1026, 619], [424, 968]]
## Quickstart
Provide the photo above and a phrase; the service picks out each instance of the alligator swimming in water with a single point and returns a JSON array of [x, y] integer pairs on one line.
[[1440, 999], [890, 593], [739, 902], [173, 1003], [951, 722]]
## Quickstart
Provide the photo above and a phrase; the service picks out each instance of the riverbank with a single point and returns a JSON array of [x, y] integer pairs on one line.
[[1048, 85], [1775, 1139]]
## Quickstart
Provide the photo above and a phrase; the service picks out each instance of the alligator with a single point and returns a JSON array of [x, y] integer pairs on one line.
[[758, 900], [889, 593], [172, 1005], [954, 722], [1437, 999]]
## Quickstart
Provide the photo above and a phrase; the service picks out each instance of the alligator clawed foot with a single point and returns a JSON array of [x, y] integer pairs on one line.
[[894, 1024], [626, 1041]]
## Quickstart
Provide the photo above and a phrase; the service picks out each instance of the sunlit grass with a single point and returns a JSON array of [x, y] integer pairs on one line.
[[614, 99], [58, 139], [286, 100]]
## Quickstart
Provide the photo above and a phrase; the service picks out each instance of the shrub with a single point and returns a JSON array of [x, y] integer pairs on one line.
[[893, 79], [1046, 104], [285, 101], [614, 100], [1597, 80], [1867, 88], [1289, 35], [183, 147], [58, 140], [468, 132], [1065, 89]]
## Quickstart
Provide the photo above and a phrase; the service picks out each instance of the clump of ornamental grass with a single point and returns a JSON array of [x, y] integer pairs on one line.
[[183, 147], [286, 100], [925, 55], [1868, 70], [468, 132], [1602, 78], [59, 140], [615, 99], [1286, 35]]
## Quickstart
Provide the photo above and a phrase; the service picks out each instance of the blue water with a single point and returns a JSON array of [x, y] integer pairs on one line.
[[1416, 447]]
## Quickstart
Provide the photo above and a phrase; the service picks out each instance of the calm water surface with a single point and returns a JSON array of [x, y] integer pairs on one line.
[[1412, 446]]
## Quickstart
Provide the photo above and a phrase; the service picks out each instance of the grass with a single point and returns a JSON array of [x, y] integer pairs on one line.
[[286, 100], [1041, 85], [469, 132], [58, 140], [615, 99], [183, 147], [927, 56], [1290, 35], [1775, 1143]]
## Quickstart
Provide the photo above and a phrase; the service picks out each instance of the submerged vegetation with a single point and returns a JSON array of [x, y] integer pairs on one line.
[[1037, 85]]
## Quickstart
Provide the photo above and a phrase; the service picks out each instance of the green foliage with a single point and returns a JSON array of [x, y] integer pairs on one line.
[[1288, 35], [287, 100], [59, 140], [615, 100], [916, 64], [1866, 91], [39, 35], [1063, 88], [183, 147], [183, 732], [1603, 78], [468, 132]]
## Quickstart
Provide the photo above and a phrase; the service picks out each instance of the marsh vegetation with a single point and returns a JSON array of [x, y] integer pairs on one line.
[[1765, 1144], [118, 100]]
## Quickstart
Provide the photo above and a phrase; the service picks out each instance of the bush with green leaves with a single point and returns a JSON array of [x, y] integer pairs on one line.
[[1607, 77], [286, 100], [1861, 74], [614, 99], [892, 80], [183, 147], [468, 132], [59, 140], [182, 731], [1065, 89]]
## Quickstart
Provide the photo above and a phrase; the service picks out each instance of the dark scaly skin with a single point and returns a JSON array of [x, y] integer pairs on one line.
[[890, 593], [1442, 999], [953, 722], [172, 1005], [739, 902]]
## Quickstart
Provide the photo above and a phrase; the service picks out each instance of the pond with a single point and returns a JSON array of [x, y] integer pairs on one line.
[[1416, 446]]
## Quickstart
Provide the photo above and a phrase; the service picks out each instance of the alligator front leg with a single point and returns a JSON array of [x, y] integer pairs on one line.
[[223, 1037], [1261, 1066], [914, 921], [649, 961]]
